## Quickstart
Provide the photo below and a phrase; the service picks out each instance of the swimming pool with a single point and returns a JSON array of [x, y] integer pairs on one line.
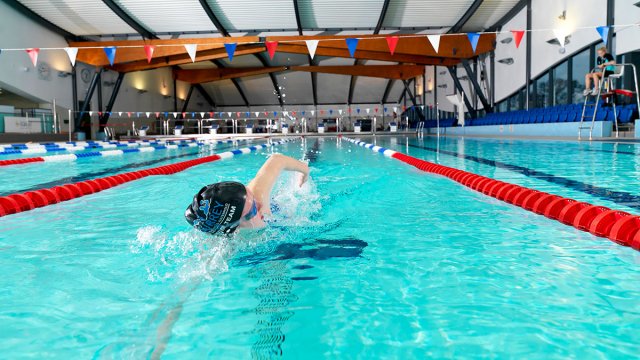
[[371, 259]]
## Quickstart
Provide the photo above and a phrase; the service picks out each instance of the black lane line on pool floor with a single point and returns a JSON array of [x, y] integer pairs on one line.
[[101, 173], [618, 197]]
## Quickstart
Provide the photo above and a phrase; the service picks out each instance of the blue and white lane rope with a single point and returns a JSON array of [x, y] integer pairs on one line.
[[372, 147], [106, 153], [40, 149]]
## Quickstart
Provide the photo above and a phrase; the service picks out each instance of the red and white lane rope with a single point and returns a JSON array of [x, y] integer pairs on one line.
[[618, 226], [16, 203]]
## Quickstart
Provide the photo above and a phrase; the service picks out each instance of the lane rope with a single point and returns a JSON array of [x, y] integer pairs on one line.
[[21, 202], [618, 226], [16, 149], [106, 153]]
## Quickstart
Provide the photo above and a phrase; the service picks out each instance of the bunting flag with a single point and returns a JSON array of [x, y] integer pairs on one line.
[[149, 49], [231, 49], [184, 115], [604, 33], [330, 111], [72, 53], [435, 42], [312, 45], [392, 41], [175, 115], [395, 109], [248, 114], [368, 110], [110, 51], [517, 36], [275, 113], [271, 48], [157, 115], [473, 39], [90, 113], [33, 55], [229, 113], [313, 112], [257, 113], [211, 114], [129, 114], [148, 114], [191, 50], [352, 44], [561, 35], [266, 113], [193, 115], [321, 112], [339, 111], [119, 113], [386, 109], [99, 113], [358, 110]]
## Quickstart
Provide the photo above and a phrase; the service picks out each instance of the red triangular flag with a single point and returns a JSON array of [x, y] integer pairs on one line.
[[266, 113], [271, 47], [392, 41], [148, 49], [33, 54], [518, 35]]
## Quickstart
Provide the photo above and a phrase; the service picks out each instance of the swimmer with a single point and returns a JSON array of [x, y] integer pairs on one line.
[[227, 206]]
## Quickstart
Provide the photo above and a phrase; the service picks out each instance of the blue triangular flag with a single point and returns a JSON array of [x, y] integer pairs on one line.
[[248, 114], [473, 39], [193, 115], [352, 43], [166, 114], [330, 111], [303, 113], [386, 109], [275, 113], [111, 54], [231, 49], [604, 33]]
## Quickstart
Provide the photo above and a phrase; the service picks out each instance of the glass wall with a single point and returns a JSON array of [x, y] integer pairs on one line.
[[580, 67], [561, 84]]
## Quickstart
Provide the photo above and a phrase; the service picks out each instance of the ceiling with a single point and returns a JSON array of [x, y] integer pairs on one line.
[[99, 20]]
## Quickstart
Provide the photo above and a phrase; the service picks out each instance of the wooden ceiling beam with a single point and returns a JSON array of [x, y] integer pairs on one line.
[[182, 59], [369, 55], [201, 76], [397, 72]]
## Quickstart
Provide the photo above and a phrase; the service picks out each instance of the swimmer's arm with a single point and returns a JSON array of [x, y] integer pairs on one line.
[[268, 174]]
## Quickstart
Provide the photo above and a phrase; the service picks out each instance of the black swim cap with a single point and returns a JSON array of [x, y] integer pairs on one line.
[[217, 207]]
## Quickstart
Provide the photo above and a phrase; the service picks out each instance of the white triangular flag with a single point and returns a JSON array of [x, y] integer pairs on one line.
[[229, 113], [340, 111], [175, 115], [368, 110], [191, 50], [561, 35], [286, 113], [147, 113], [90, 113], [72, 53], [119, 113], [313, 112], [435, 41], [202, 115], [257, 113], [312, 45], [395, 109]]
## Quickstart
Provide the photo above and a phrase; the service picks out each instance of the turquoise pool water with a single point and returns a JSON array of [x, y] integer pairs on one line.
[[371, 259]]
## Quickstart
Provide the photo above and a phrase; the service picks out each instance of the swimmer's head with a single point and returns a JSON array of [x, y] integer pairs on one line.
[[217, 207]]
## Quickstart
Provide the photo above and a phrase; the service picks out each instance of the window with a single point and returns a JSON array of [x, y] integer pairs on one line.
[[580, 69], [560, 84]]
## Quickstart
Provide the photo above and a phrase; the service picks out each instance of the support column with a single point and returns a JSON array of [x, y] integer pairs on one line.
[[528, 60], [116, 89], [87, 98]]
